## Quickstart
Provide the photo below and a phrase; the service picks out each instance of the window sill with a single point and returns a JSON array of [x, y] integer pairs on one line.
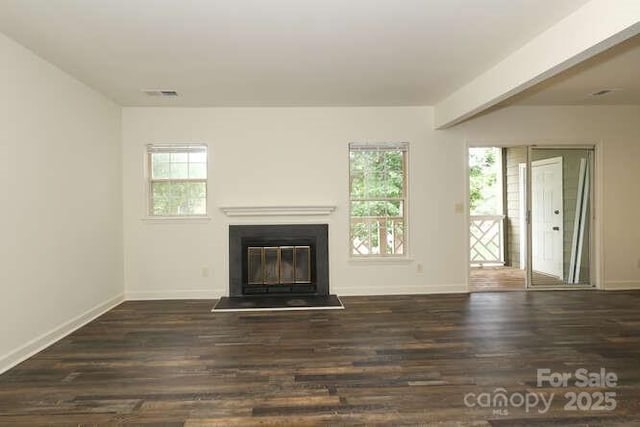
[[381, 260], [176, 219]]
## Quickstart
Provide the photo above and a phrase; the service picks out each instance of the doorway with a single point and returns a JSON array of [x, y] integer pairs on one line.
[[496, 215], [533, 230]]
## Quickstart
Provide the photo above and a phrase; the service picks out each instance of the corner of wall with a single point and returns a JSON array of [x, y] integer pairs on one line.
[[43, 341]]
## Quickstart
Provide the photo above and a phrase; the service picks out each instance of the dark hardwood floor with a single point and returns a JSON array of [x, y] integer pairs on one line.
[[389, 360]]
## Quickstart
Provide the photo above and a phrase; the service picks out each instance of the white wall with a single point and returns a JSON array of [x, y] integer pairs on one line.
[[60, 216], [277, 156], [290, 156]]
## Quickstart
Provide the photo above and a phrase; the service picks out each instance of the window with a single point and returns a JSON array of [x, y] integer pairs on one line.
[[177, 180], [378, 193]]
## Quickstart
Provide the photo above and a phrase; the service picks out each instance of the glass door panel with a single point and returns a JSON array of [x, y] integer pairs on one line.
[[560, 223]]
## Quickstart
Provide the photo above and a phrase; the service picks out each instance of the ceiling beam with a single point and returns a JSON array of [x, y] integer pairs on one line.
[[593, 28]]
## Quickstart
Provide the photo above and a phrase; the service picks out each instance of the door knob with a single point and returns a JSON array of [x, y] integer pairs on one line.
[[557, 212], [556, 228]]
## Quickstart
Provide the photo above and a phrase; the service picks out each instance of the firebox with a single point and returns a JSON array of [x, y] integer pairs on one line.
[[283, 259]]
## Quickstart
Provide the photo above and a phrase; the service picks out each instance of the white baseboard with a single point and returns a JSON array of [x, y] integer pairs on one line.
[[38, 344], [399, 290], [166, 294], [624, 285]]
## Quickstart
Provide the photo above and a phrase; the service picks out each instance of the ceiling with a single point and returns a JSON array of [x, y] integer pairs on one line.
[[616, 69], [279, 52]]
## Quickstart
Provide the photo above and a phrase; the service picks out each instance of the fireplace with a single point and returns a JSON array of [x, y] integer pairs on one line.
[[276, 260]]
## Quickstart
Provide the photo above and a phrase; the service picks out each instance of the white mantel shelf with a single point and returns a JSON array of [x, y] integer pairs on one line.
[[284, 210]]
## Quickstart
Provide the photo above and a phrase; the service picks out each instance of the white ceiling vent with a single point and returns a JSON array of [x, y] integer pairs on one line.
[[160, 92]]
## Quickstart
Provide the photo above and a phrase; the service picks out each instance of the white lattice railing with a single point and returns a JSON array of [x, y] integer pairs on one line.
[[486, 239], [377, 236]]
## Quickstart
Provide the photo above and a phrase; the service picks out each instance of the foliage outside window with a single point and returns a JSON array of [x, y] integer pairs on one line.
[[485, 193], [378, 197], [177, 180]]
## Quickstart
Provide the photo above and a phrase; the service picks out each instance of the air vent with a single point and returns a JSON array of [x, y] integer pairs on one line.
[[603, 92], [158, 92]]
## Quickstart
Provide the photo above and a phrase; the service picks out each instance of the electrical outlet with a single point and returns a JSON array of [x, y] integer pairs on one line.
[[205, 271], [458, 208], [638, 264], [419, 268]]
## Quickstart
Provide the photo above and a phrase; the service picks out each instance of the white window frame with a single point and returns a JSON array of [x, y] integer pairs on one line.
[[383, 146], [173, 148]]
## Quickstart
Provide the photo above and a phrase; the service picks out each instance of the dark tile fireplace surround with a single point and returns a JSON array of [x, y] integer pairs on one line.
[[286, 260]]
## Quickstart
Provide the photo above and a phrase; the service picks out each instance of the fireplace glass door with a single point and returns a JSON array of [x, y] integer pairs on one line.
[[278, 265]]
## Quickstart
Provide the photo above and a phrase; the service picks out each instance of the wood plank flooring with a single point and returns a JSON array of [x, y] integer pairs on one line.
[[492, 279], [392, 360], [483, 279]]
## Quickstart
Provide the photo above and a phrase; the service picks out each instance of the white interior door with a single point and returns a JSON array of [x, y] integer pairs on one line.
[[547, 217]]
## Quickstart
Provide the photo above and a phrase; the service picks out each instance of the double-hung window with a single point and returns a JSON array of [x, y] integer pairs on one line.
[[378, 199], [177, 180]]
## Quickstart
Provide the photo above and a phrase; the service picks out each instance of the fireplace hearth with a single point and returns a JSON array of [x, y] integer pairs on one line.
[[283, 259]]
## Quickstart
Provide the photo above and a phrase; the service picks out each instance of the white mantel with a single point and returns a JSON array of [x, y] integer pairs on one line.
[[278, 210]]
